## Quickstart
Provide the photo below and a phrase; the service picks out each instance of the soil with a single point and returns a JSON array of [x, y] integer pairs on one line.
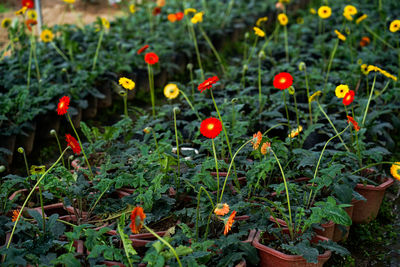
[[56, 12]]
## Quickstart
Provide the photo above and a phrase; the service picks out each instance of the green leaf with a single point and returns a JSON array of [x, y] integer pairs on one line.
[[333, 246]]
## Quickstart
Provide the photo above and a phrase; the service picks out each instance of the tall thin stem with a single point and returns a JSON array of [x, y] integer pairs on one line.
[[191, 28], [308, 95], [98, 49], [177, 152], [30, 64], [53, 132], [369, 100], [216, 166], [190, 104], [59, 51], [330, 64], [221, 62], [286, 44], [151, 85]]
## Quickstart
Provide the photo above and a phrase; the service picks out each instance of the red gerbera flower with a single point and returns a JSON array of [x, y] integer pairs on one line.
[[62, 107], [137, 218], [207, 84], [179, 15], [29, 23], [28, 3], [151, 58], [210, 127], [352, 121], [76, 148], [156, 11], [283, 80], [142, 49], [229, 222], [348, 98]]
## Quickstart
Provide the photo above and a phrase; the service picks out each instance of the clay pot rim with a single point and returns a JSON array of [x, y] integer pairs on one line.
[[326, 255], [383, 186]]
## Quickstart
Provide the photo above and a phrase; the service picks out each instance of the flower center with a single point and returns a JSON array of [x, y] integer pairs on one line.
[[210, 126], [282, 80]]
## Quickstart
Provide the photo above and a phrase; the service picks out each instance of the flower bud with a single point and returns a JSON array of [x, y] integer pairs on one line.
[[177, 110], [189, 66], [262, 55], [234, 100], [246, 35], [21, 150], [291, 90], [53, 132], [302, 66], [2, 168], [245, 67], [147, 130]]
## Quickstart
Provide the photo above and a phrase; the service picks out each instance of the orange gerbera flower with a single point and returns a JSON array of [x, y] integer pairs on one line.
[[172, 18], [137, 218], [365, 41], [352, 121], [73, 143], [15, 214], [283, 80], [257, 138], [229, 222], [142, 49], [265, 148], [221, 209], [210, 127], [63, 104], [29, 23], [179, 16]]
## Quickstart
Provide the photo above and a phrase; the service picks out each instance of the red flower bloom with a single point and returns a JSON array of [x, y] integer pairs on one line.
[[29, 23], [179, 15], [348, 98], [352, 121], [207, 84], [156, 11], [76, 148], [28, 3], [151, 58], [142, 49], [210, 127], [283, 80], [137, 218], [62, 107]]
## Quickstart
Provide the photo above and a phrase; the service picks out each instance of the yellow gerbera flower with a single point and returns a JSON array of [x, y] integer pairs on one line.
[[364, 69], [21, 11], [313, 11], [5, 23], [259, 32], [384, 72], [190, 10], [351, 10], [283, 19], [340, 35], [47, 36], [324, 12], [38, 169], [394, 25], [348, 16], [198, 17], [395, 170], [261, 20], [295, 132], [105, 23], [32, 14], [171, 91], [69, 1], [341, 90], [132, 8], [127, 83], [361, 18], [314, 96]]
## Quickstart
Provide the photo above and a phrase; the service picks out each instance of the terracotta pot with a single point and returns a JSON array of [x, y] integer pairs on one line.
[[46, 123], [339, 235], [107, 100], [91, 111], [8, 142], [27, 141], [366, 211], [76, 119], [57, 208], [270, 257], [327, 231]]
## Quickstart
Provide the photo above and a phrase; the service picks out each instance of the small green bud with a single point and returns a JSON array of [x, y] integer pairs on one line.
[[262, 55], [177, 110], [245, 67], [53, 132], [302, 66], [2, 168], [21, 150], [189, 66], [234, 100], [246, 35], [291, 90]]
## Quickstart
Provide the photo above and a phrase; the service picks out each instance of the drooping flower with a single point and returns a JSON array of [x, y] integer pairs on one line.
[[229, 222], [142, 49], [265, 148], [190, 10], [324, 12], [261, 20], [353, 121], [156, 11], [73, 143], [27, 3], [171, 91], [365, 41], [349, 11], [259, 32], [257, 138], [21, 11], [127, 83], [32, 14], [137, 219], [47, 36], [132, 8], [29, 23], [151, 58], [69, 1], [363, 17], [105, 23], [15, 214], [384, 72], [313, 11], [5, 23], [211, 127], [283, 19], [198, 17], [38, 169], [341, 90], [63, 104], [179, 16], [348, 98], [283, 80], [340, 35], [363, 68], [207, 84], [395, 170], [295, 132], [221, 209], [394, 25], [314, 96]]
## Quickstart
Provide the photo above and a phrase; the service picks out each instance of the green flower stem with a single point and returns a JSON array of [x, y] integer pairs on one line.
[[30, 64], [59, 147], [155, 138], [95, 204], [286, 109], [253, 49], [227, 13], [151, 85], [165, 242], [330, 64], [319, 161], [308, 95], [286, 43], [198, 209], [80, 143], [351, 130], [269, 38], [36, 61], [190, 104], [333, 126], [221, 62], [30, 194], [382, 91], [59, 51], [358, 144], [177, 153], [216, 165], [192, 32], [369, 100], [377, 36], [98, 49], [125, 97], [21, 150], [375, 164], [227, 140], [259, 85], [42, 207], [290, 225], [297, 111]]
